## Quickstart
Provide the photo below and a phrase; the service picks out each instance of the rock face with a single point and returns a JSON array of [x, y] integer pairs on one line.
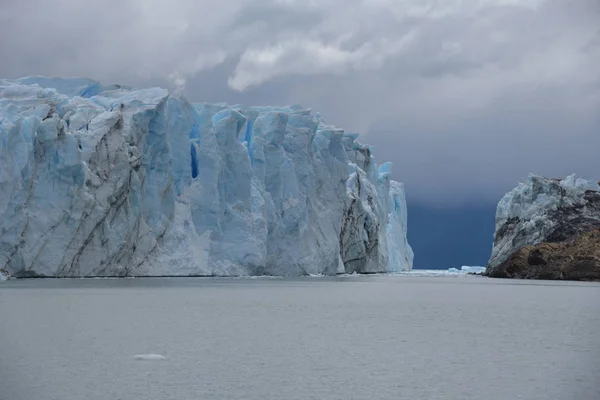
[[542, 211], [111, 181], [576, 259]]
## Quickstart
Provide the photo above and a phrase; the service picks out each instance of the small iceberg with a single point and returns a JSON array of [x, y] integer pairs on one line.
[[149, 357], [467, 270], [472, 270]]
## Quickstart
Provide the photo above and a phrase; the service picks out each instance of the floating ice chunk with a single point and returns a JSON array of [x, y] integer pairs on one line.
[[149, 357], [465, 269], [472, 270], [434, 272]]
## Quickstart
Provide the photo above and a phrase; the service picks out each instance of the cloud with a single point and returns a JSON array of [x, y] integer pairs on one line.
[[308, 57], [464, 96]]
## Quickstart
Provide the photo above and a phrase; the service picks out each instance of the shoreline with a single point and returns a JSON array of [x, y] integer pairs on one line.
[[416, 272]]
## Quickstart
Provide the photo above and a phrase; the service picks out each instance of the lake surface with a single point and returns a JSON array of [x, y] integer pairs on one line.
[[356, 337]]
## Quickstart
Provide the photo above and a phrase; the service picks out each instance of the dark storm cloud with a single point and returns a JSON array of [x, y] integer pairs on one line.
[[465, 97]]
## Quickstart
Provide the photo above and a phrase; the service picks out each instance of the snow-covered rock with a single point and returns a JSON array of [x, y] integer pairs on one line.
[[544, 210], [109, 181]]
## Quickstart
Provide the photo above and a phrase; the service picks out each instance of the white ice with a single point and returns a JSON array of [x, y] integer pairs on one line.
[[109, 181], [436, 272], [149, 357], [472, 269]]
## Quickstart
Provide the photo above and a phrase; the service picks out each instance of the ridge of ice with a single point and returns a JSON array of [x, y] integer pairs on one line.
[[536, 195], [110, 181]]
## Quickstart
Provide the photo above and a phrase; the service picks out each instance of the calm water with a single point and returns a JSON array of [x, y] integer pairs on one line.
[[377, 337]]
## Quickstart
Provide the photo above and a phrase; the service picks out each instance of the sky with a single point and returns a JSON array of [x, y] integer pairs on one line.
[[465, 97]]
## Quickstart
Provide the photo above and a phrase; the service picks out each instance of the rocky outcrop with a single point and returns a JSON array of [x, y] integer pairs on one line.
[[543, 229], [575, 259], [542, 210]]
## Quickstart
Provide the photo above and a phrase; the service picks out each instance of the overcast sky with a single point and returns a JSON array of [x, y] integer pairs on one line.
[[464, 96]]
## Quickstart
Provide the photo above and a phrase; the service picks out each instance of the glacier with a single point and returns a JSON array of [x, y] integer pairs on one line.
[[102, 180], [541, 209]]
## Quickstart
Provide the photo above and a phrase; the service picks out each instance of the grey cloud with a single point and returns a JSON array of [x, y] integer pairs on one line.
[[274, 16], [465, 97], [482, 156]]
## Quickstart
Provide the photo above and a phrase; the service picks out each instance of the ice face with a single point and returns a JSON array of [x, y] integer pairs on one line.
[[109, 181], [541, 209]]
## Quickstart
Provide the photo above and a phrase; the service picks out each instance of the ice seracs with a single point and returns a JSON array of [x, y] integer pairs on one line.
[[109, 181]]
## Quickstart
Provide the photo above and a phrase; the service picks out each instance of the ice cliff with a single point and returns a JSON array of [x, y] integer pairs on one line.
[[544, 210], [111, 181]]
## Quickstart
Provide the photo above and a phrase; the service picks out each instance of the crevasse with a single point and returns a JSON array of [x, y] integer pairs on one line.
[[111, 181]]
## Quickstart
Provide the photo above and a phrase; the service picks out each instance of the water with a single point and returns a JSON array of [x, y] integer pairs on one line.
[[372, 337]]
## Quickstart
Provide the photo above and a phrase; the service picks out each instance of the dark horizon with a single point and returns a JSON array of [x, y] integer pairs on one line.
[[444, 238]]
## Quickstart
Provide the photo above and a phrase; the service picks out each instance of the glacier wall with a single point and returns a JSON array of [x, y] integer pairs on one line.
[[111, 181], [540, 210]]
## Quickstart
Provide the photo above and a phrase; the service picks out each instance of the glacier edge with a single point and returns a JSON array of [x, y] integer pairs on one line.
[[112, 181]]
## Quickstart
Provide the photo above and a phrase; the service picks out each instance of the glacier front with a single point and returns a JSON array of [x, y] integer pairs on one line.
[[110, 181]]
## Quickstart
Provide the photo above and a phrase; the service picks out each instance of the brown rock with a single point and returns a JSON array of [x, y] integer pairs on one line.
[[575, 259], [536, 257]]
